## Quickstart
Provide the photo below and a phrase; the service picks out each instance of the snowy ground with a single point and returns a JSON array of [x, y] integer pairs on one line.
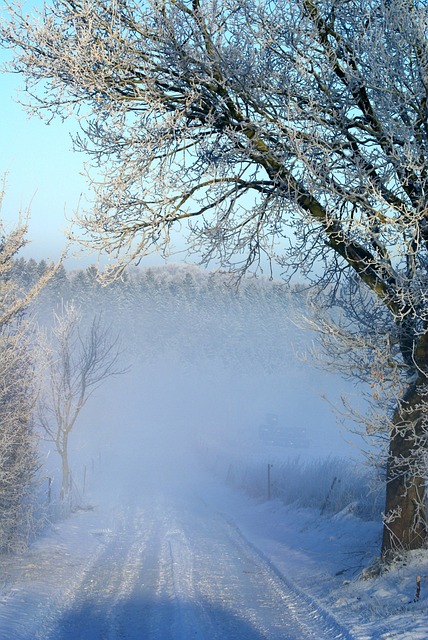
[[191, 559]]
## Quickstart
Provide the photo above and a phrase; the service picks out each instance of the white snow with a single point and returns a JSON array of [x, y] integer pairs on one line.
[[183, 556]]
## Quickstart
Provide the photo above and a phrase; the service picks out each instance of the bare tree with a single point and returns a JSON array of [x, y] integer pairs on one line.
[[294, 131], [75, 363]]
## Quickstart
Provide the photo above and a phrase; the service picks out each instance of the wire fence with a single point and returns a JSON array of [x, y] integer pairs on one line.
[[331, 485]]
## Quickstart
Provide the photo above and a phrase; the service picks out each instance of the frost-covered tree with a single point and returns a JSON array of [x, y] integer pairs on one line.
[[18, 445], [19, 461], [75, 362], [293, 130]]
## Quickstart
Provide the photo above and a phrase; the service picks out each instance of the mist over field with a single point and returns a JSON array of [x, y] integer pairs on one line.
[[207, 364]]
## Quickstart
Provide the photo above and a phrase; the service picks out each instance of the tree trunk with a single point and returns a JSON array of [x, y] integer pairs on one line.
[[65, 473], [405, 517]]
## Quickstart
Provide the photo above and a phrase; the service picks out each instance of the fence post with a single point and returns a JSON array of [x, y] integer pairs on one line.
[[268, 481]]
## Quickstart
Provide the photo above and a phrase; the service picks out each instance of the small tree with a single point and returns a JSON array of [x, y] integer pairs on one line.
[[76, 363]]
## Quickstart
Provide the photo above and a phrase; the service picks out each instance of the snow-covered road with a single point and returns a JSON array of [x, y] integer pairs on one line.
[[168, 569]]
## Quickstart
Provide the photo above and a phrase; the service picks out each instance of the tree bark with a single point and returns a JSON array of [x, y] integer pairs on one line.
[[405, 526]]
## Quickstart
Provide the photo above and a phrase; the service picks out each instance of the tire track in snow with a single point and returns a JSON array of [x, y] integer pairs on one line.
[[89, 597], [307, 612], [221, 587], [190, 615], [180, 570], [53, 575]]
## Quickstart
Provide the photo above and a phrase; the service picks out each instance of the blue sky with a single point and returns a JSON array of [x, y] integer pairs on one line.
[[43, 172]]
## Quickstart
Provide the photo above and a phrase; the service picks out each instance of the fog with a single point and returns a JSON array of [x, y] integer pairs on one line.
[[207, 364], [178, 513], [206, 486]]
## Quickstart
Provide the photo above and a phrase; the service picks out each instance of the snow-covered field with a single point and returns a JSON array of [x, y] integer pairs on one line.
[[186, 557]]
